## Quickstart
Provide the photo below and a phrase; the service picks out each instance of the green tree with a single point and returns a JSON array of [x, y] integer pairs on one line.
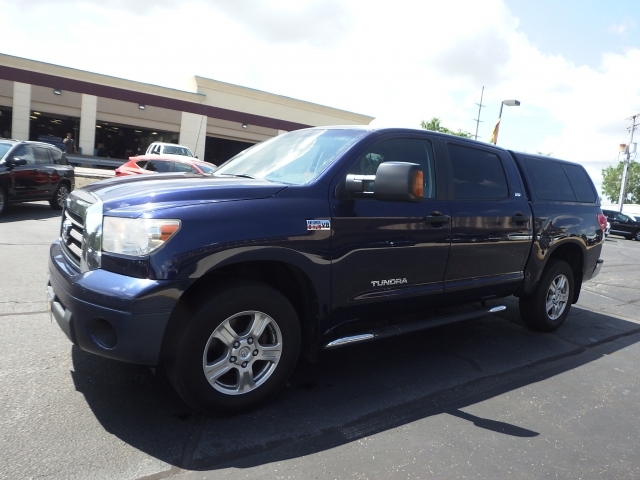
[[434, 126], [612, 179]]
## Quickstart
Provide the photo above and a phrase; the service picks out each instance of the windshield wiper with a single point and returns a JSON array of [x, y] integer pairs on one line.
[[243, 175]]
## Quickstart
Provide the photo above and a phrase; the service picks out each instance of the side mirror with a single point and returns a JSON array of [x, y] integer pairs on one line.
[[15, 161], [399, 182], [393, 181]]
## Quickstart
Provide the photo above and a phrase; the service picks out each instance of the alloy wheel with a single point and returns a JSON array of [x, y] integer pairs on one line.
[[242, 353], [557, 296]]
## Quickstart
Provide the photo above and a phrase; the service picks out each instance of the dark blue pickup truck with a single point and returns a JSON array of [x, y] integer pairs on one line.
[[317, 238]]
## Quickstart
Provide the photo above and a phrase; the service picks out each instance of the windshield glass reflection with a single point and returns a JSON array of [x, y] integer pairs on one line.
[[295, 158]]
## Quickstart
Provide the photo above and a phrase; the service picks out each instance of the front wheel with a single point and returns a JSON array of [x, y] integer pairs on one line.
[[636, 235], [549, 304], [59, 197], [238, 350]]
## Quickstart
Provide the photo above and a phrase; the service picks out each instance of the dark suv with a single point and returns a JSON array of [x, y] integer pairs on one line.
[[32, 171], [622, 224]]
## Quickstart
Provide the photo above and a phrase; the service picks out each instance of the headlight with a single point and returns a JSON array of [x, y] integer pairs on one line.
[[136, 236]]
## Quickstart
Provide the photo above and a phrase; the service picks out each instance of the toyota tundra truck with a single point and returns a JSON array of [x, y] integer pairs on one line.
[[316, 239]]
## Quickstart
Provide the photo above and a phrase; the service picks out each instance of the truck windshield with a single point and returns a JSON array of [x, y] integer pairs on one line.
[[4, 148], [295, 158], [176, 150]]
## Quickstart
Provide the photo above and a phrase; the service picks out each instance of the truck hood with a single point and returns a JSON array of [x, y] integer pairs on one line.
[[145, 193]]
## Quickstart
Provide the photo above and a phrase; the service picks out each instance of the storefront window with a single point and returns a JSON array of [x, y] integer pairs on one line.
[[124, 141], [5, 122], [52, 128], [219, 150]]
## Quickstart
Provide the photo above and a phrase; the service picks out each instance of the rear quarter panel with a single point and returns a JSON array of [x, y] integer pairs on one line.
[[557, 224]]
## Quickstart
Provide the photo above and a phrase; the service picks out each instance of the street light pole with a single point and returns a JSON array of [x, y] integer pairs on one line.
[[623, 183], [496, 129]]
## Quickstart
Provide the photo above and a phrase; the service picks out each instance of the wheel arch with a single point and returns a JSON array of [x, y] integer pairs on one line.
[[288, 279], [573, 254]]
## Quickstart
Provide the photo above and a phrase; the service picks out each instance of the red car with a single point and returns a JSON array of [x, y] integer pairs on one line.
[[162, 164]]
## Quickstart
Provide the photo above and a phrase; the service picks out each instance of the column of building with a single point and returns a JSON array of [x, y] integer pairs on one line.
[[21, 111]]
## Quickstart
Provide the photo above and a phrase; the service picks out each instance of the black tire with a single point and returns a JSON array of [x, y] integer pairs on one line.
[[549, 304], [59, 196], [636, 235], [3, 201], [202, 347]]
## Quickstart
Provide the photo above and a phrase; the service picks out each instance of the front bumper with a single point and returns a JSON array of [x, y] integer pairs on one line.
[[109, 314]]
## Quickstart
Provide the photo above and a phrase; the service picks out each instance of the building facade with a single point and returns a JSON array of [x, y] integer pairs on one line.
[[118, 118]]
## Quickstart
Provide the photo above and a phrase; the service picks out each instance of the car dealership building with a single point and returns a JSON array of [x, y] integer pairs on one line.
[[118, 118]]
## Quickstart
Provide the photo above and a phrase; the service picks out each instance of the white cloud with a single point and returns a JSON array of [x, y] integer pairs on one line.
[[619, 29], [401, 61]]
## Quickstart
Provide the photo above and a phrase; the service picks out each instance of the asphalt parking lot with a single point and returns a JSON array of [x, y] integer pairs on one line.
[[481, 399]]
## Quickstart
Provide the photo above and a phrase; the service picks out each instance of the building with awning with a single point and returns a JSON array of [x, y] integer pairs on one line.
[[118, 118]]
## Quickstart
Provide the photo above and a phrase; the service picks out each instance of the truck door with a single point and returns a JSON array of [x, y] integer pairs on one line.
[[389, 258], [491, 230], [46, 177], [24, 177]]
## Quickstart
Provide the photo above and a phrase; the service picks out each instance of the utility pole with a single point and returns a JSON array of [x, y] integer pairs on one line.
[[623, 184], [479, 109]]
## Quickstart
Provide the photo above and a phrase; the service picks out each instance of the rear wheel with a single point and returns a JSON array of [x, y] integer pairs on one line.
[[238, 350], [549, 304], [59, 197]]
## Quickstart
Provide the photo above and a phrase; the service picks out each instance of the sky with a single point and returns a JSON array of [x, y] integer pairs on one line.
[[573, 65]]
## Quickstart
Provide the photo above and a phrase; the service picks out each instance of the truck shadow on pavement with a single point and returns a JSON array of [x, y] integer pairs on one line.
[[350, 393]]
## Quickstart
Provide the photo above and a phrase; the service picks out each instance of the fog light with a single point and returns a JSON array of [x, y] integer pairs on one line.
[[103, 333]]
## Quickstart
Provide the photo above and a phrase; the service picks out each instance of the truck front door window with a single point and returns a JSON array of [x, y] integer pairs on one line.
[[400, 150]]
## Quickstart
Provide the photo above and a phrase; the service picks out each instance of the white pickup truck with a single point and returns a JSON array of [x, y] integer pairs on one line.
[[160, 148]]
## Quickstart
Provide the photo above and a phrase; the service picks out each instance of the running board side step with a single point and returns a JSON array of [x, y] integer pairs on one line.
[[395, 330]]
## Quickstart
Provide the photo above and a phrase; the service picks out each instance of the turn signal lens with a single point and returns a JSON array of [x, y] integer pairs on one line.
[[167, 230], [418, 184]]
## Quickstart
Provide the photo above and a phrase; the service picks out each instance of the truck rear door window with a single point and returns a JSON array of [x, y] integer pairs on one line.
[[41, 155], [477, 174], [549, 180]]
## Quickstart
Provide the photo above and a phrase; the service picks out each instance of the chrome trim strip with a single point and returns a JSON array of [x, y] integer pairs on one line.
[[92, 246], [346, 340], [75, 249], [499, 308], [76, 234], [72, 220]]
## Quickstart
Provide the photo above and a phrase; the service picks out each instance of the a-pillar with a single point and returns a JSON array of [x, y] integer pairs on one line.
[[88, 115], [21, 111], [193, 132]]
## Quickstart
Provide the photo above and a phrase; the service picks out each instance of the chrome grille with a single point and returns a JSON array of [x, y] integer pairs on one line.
[[71, 236]]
